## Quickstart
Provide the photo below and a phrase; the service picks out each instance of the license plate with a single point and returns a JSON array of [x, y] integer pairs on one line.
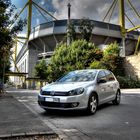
[[56, 99], [52, 99], [49, 99]]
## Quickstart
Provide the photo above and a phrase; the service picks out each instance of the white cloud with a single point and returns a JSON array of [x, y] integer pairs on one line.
[[37, 21], [42, 2], [93, 9]]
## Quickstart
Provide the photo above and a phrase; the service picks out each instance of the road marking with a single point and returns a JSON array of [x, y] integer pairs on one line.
[[127, 123]]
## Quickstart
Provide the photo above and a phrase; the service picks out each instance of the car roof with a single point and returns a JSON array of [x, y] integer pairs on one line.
[[89, 70]]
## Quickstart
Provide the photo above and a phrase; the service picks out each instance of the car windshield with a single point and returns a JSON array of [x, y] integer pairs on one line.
[[79, 76]]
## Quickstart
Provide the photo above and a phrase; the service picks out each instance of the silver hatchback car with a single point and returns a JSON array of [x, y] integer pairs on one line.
[[81, 89]]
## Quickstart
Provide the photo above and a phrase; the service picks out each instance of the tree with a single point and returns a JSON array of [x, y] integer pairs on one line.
[[85, 28], [112, 49], [71, 32], [41, 69], [78, 55], [7, 34], [111, 60]]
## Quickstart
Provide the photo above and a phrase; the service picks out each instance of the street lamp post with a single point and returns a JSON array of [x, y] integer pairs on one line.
[[68, 25]]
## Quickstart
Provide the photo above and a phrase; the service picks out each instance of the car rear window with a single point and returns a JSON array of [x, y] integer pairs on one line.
[[109, 76]]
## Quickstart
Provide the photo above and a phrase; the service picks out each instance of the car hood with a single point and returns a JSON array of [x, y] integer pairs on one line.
[[65, 87]]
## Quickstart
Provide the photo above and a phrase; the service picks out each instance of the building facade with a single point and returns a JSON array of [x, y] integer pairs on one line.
[[46, 36]]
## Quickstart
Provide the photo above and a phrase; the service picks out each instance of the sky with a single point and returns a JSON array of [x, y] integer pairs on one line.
[[93, 9]]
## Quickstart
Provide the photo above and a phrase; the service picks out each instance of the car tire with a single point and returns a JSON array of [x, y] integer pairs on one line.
[[92, 104], [47, 110], [117, 100]]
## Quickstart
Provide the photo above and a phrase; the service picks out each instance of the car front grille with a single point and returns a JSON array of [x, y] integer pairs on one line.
[[57, 105], [55, 93]]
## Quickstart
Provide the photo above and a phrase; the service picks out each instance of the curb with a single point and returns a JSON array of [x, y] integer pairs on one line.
[[130, 91], [29, 134]]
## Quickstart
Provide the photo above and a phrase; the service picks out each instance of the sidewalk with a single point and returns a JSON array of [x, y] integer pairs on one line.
[[131, 91], [17, 120], [10, 90]]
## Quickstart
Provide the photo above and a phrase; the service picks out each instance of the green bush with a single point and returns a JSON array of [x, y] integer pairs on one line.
[[110, 60], [112, 49], [78, 55], [41, 69], [96, 65], [113, 63], [128, 82]]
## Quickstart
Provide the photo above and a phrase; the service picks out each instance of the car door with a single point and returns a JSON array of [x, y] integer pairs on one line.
[[102, 87], [111, 82]]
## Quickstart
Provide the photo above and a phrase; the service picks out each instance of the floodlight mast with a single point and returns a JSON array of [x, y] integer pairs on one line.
[[29, 17], [122, 15], [122, 25], [68, 25], [29, 5]]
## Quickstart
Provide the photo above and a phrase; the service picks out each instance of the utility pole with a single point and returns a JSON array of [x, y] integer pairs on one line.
[[68, 25], [122, 24], [29, 17]]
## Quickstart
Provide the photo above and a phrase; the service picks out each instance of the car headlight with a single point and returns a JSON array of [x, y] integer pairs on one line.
[[40, 91], [77, 91]]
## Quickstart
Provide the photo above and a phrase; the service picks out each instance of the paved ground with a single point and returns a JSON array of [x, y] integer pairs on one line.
[[109, 123], [16, 119]]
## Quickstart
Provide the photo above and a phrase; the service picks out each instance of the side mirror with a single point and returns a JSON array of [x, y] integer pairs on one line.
[[102, 80]]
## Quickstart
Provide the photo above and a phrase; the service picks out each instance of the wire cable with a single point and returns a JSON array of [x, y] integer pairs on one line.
[[45, 11], [113, 9], [134, 9], [41, 13], [109, 9]]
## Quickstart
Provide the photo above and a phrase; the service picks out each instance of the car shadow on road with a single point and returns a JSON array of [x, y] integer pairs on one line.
[[74, 113]]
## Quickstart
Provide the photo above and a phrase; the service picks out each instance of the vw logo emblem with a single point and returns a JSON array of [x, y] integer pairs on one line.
[[52, 93]]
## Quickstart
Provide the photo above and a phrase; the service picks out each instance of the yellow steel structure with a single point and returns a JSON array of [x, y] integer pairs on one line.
[[122, 25], [122, 15], [137, 46], [134, 28], [29, 17], [29, 4], [15, 54]]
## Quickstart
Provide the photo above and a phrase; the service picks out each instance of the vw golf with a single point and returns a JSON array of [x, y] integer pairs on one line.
[[81, 89]]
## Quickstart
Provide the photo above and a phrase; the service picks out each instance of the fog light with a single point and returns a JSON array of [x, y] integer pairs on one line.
[[75, 104]]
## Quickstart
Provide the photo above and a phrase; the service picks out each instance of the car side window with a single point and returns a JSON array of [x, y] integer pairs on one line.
[[109, 76], [101, 75]]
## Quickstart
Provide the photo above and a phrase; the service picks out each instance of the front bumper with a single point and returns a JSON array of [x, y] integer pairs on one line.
[[63, 102]]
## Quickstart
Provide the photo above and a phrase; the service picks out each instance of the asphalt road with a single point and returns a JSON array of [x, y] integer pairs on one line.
[[109, 123]]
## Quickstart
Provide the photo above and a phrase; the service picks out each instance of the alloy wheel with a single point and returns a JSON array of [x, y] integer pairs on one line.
[[93, 104]]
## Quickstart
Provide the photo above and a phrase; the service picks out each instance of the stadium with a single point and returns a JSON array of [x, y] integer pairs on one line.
[[45, 37]]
